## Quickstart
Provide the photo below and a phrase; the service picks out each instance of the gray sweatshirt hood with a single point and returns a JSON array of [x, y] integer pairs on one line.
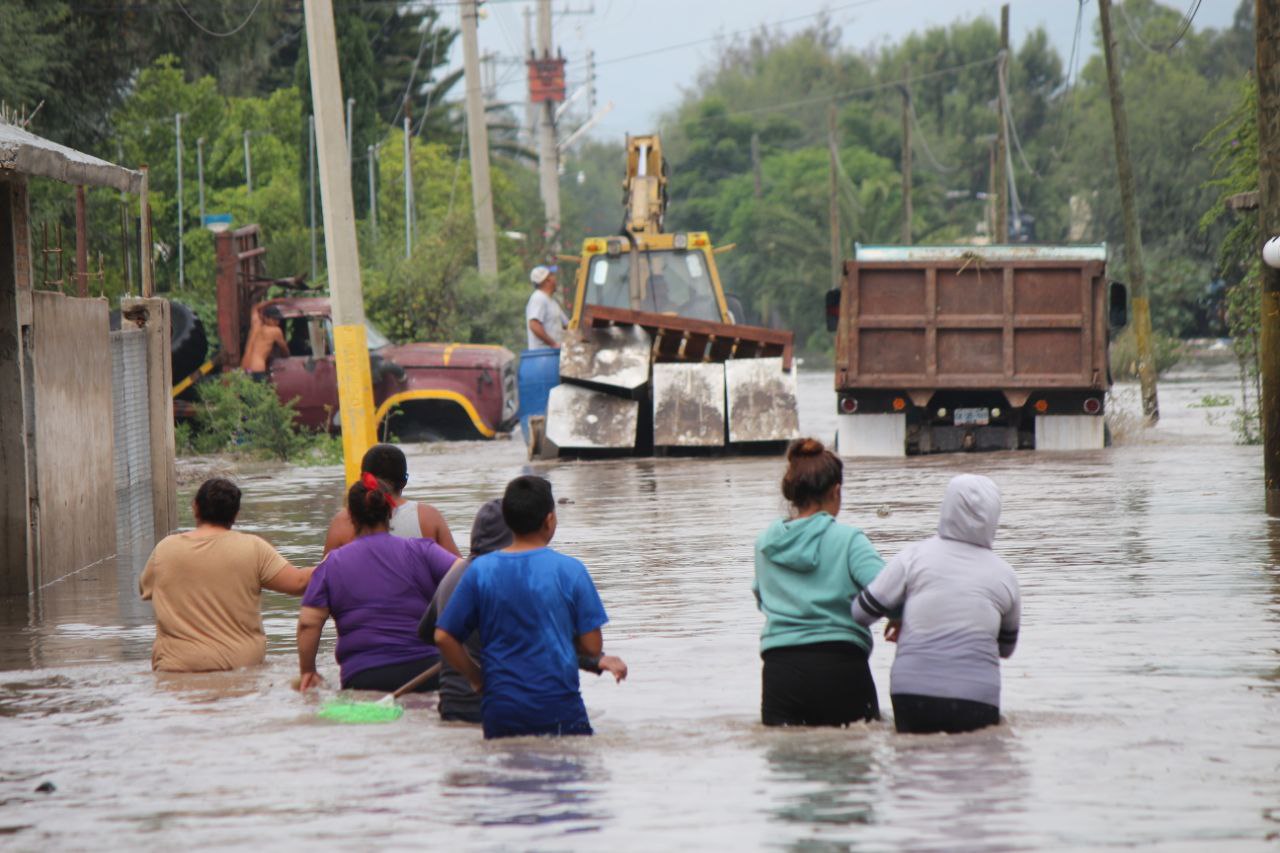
[[970, 510], [489, 532]]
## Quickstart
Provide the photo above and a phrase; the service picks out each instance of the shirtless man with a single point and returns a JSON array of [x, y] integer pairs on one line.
[[266, 335], [409, 519]]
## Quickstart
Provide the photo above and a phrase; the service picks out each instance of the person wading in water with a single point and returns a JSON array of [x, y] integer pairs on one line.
[[809, 567], [376, 588], [409, 519], [961, 611]]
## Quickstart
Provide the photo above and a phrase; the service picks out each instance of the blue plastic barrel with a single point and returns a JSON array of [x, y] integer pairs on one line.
[[539, 373]]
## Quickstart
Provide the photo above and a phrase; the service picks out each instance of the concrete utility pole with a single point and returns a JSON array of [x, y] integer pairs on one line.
[[1132, 228], [548, 156], [906, 165], [1267, 28], [833, 200], [248, 165], [591, 82], [342, 253], [200, 175], [530, 109], [408, 188], [177, 125], [478, 144], [311, 189], [1002, 134]]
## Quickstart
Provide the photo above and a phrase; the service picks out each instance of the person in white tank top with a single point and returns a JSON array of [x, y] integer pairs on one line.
[[410, 519], [404, 521]]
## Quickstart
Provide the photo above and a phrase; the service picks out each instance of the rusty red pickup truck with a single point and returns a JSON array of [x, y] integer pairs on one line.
[[423, 391]]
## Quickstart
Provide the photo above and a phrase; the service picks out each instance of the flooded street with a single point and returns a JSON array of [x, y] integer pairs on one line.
[[1141, 707]]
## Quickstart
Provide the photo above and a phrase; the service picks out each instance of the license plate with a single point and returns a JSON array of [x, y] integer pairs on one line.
[[975, 417]]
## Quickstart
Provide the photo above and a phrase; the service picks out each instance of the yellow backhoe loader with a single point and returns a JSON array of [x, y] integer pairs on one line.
[[655, 360]]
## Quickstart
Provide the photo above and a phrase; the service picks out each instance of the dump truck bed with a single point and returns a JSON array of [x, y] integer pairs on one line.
[[1015, 319]]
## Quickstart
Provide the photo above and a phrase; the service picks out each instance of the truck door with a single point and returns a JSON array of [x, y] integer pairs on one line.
[[307, 375]]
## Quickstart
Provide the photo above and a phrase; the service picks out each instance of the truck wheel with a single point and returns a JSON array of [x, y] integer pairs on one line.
[[188, 345]]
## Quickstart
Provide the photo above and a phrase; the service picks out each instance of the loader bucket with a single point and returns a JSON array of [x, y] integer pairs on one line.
[[615, 358], [762, 400], [688, 405], [582, 419]]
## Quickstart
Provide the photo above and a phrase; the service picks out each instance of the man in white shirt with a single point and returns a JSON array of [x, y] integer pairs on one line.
[[544, 318]]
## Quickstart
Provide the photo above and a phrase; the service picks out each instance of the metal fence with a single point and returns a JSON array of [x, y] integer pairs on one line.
[[135, 517]]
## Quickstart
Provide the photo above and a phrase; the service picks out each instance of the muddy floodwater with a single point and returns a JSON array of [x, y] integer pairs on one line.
[[1141, 707]]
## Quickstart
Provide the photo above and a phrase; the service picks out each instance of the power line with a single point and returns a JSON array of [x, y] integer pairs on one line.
[[865, 90], [1182, 28], [719, 36], [924, 143], [227, 34]]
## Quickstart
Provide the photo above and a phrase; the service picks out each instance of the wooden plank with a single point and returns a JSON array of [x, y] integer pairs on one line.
[[1007, 322], [1086, 326], [931, 321]]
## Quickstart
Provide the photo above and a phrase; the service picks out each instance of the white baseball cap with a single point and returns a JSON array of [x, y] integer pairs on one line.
[[539, 274]]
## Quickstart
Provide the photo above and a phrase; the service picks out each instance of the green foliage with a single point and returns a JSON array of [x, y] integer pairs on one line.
[[1124, 353], [1213, 401], [1234, 147], [238, 415]]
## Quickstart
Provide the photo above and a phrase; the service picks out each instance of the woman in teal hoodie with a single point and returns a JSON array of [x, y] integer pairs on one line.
[[809, 567]]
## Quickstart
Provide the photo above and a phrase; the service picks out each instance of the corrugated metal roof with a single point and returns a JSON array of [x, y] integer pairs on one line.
[[23, 152], [1019, 252]]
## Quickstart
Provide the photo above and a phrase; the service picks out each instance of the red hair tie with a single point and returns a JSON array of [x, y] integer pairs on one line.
[[369, 481]]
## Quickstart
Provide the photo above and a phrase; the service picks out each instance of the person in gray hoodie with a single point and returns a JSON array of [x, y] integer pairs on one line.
[[489, 532], [961, 611], [808, 569]]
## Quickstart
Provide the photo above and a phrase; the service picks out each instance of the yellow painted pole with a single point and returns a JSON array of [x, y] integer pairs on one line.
[[355, 384]]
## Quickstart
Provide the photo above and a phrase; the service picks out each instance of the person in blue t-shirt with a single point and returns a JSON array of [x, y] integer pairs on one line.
[[539, 618]]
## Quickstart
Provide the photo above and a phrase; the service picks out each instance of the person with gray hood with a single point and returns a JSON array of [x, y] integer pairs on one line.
[[489, 532], [960, 614]]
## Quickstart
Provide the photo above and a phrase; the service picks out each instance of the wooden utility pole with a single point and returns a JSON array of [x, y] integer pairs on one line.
[[342, 253], [548, 156], [755, 165], [906, 165], [1267, 28], [833, 210], [478, 146], [1132, 228], [1002, 133]]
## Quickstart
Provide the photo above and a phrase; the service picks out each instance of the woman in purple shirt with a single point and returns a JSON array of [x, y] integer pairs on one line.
[[376, 588]]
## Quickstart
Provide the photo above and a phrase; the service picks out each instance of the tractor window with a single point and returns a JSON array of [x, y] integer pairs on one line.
[[607, 282], [672, 282]]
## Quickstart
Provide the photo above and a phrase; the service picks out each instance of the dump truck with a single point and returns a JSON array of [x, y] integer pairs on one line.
[[422, 391], [656, 358], [959, 348]]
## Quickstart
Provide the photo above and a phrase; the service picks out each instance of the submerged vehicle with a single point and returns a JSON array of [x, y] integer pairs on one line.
[[422, 391], [957, 348], [656, 358]]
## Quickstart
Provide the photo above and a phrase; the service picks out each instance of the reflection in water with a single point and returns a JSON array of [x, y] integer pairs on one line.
[[1141, 705], [531, 781], [831, 779]]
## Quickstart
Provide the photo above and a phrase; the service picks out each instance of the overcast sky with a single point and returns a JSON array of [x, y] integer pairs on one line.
[[642, 87]]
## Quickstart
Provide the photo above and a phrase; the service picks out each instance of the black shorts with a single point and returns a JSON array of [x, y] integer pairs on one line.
[[922, 715], [819, 684], [388, 679], [260, 375]]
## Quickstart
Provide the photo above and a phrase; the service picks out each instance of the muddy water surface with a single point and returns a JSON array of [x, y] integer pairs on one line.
[[1141, 706]]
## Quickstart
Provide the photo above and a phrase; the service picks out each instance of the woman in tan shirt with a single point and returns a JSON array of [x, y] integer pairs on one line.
[[206, 587]]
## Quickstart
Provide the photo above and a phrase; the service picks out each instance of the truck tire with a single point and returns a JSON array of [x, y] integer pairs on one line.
[[188, 344]]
